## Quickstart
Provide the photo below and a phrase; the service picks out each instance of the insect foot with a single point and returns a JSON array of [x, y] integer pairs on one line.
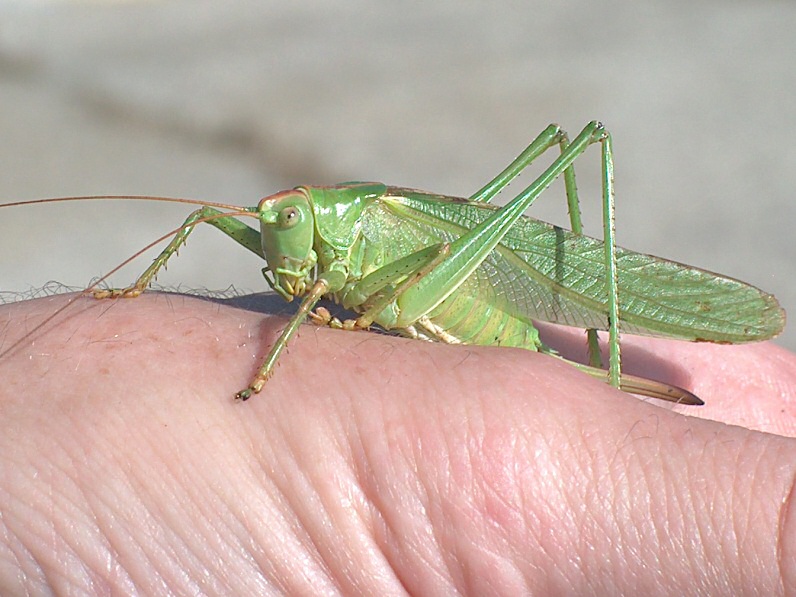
[[321, 317], [244, 395], [254, 388], [113, 293]]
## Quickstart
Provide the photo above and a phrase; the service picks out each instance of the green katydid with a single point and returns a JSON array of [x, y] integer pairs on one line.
[[465, 271]]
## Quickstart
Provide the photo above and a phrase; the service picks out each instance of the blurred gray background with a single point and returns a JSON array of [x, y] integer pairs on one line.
[[235, 100]]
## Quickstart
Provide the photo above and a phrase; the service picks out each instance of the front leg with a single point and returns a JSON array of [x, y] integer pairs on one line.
[[232, 227], [327, 282], [320, 288]]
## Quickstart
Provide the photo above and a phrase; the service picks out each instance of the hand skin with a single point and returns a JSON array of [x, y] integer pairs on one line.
[[377, 465]]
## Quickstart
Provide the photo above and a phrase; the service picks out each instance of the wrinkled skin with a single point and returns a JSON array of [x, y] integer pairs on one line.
[[378, 465]]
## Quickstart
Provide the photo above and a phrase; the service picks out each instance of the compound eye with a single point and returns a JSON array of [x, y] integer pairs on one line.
[[289, 216]]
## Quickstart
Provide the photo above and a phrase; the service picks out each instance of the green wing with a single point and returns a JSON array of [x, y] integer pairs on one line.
[[544, 272]]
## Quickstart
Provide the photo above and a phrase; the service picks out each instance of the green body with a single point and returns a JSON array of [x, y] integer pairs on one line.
[[392, 223], [537, 272], [465, 271]]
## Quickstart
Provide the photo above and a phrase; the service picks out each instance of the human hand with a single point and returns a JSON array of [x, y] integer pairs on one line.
[[378, 465]]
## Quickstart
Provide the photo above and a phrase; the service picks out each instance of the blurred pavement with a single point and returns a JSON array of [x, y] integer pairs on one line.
[[232, 101]]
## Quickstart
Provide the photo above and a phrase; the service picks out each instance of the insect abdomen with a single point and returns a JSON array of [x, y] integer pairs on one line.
[[469, 320]]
